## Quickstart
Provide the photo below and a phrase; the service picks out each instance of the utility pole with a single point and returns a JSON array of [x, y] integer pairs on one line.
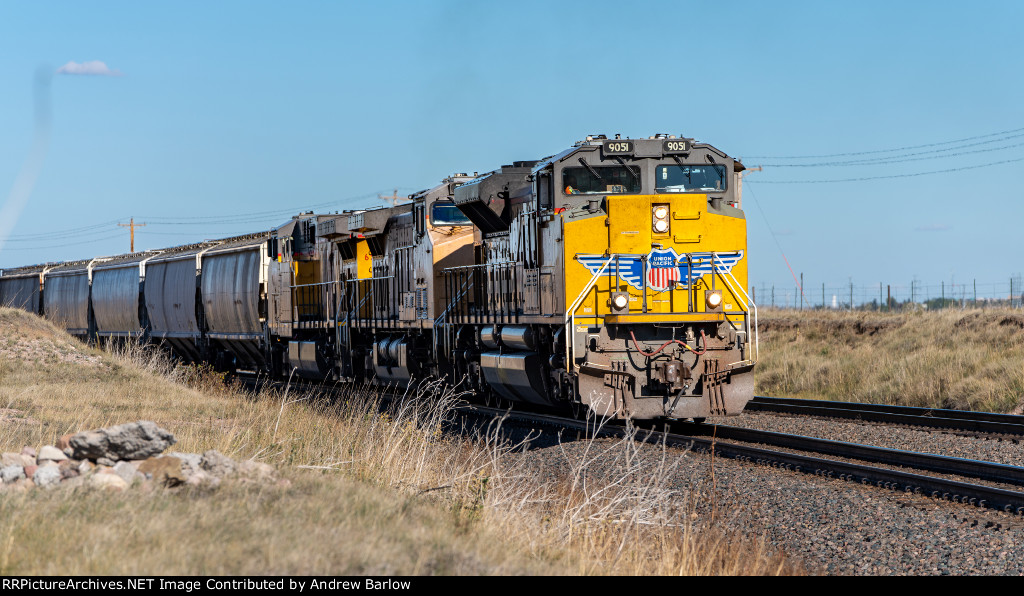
[[132, 225], [393, 199], [801, 291]]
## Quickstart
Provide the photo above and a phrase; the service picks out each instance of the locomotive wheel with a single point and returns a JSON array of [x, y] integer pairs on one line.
[[577, 409], [491, 400]]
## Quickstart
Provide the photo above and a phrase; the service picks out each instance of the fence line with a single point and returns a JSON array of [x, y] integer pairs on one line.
[[880, 296]]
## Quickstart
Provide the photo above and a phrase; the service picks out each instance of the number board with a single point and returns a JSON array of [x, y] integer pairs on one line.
[[675, 146], [618, 147]]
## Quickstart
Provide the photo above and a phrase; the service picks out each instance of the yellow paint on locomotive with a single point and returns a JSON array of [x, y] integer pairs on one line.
[[364, 261], [628, 229]]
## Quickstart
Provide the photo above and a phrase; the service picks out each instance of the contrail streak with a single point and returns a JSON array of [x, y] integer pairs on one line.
[[26, 179]]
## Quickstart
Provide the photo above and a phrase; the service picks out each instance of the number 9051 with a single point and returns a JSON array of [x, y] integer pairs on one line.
[[618, 147]]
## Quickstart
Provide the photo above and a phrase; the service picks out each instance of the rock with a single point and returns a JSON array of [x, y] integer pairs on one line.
[[16, 459], [217, 464], [64, 442], [190, 462], [68, 451], [74, 482], [164, 470], [47, 476], [29, 451], [12, 473], [201, 478], [134, 440], [22, 486], [106, 461], [50, 453], [255, 471], [107, 482], [126, 471], [69, 468], [85, 467], [30, 470]]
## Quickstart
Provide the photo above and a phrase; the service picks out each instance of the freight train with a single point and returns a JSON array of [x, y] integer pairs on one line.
[[610, 277]]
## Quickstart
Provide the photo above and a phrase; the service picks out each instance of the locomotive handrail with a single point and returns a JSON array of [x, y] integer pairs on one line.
[[478, 266], [570, 321], [747, 304], [444, 315]]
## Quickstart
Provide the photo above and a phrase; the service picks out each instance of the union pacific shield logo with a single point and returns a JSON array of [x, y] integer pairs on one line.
[[662, 271], [665, 267]]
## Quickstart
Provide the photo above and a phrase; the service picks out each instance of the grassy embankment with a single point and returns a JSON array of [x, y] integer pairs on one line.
[[366, 492], [963, 359]]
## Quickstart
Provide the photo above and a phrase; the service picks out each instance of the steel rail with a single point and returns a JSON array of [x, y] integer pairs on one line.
[[957, 420], [983, 470], [939, 488]]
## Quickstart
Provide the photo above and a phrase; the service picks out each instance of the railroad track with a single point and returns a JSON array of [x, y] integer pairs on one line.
[[729, 442], [985, 423], [749, 445]]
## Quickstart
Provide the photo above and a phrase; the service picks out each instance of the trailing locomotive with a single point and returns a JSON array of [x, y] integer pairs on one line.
[[610, 276]]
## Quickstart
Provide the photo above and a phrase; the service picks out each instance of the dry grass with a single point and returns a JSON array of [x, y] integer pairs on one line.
[[375, 487], [963, 359]]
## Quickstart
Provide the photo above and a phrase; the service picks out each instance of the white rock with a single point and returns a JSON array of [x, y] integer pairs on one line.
[[12, 473], [257, 471], [50, 453], [47, 475], [190, 462], [201, 478], [126, 471], [218, 464], [107, 481]]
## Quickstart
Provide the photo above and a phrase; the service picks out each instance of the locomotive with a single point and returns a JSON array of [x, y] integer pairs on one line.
[[609, 277]]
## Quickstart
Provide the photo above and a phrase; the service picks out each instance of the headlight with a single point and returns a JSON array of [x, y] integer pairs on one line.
[[619, 301], [713, 299], [659, 219]]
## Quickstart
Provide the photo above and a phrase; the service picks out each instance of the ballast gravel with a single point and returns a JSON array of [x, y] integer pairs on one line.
[[831, 526]]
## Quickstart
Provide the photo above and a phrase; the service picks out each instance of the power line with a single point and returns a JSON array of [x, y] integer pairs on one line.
[[995, 134], [49, 235], [117, 235], [901, 158], [207, 220], [911, 175]]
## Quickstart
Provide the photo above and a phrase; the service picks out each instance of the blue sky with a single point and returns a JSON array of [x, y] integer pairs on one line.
[[225, 117]]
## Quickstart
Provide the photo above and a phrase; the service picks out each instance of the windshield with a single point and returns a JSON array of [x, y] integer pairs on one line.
[[687, 178], [610, 179], [447, 214]]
